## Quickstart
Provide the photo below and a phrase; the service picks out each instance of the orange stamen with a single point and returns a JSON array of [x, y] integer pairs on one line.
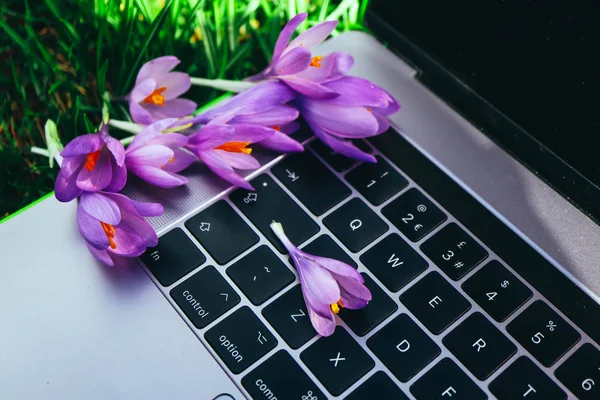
[[156, 97], [277, 128], [91, 160], [316, 62], [235, 147], [335, 307], [109, 230], [369, 110]]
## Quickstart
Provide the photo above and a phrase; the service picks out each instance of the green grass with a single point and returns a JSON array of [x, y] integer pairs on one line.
[[57, 58]]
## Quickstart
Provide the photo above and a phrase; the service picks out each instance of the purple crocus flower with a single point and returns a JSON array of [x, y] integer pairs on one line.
[[360, 111], [294, 64], [156, 91], [91, 163], [327, 285], [224, 148], [113, 226], [262, 106], [156, 157]]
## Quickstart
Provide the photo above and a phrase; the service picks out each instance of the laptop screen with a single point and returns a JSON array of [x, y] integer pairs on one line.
[[537, 61]]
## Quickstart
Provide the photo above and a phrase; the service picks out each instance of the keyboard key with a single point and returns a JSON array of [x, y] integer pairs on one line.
[[403, 347], [311, 182], [260, 275], [446, 380], [479, 345], [435, 302], [204, 296], [414, 214], [543, 333], [524, 380], [355, 224], [497, 290], [337, 361], [377, 182], [378, 386], [581, 372], [338, 162], [270, 203], [240, 339], [454, 251], [289, 317], [280, 377], [394, 262], [222, 232], [173, 257], [324, 246], [379, 308]]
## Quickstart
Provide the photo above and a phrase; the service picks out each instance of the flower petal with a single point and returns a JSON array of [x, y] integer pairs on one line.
[[383, 121], [351, 301], [345, 122], [152, 155], [282, 142], [209, 137], [156, 68], [313, 37], [141, 228], [323, 326], [150, 132], [72, 165], [83, 145], [181, 160], [277, 115], [66, 189], [128, 242], [219, 166], [319, 284], [177, 83], [116, 149], [286, 34], [176, 108], [99, 177], [91, 230], [139, 114], [239, 160], [251, 133], [100, 207], [142, 90], [309, 88], [101, 255], [157, 176], [335, 266], [128, 205], [293, 62], [358, 92], [119, 177], [343, 147], [171, 140], [333, 66]]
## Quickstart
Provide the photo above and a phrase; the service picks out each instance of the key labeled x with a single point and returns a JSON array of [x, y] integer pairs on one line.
[[337, 359]]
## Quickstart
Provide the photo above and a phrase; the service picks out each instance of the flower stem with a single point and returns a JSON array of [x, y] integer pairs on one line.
[[222, 84], [126, 126], [277, 228], [44, 152]]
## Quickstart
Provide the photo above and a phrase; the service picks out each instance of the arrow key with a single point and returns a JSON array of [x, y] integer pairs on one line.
[[311, 181]]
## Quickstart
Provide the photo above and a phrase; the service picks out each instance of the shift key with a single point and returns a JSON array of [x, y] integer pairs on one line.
[[270, 203], [205, 296]]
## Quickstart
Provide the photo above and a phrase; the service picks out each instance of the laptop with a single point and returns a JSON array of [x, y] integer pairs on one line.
[[477, 234]]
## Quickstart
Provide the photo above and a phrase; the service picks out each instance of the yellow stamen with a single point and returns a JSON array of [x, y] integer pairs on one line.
[[335, 307], [156, 97], [177, 128], [316, 62], [109, 230], [235, 147], [91, 160]]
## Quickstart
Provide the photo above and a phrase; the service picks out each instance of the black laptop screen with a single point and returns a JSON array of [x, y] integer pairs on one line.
[[537, 61]]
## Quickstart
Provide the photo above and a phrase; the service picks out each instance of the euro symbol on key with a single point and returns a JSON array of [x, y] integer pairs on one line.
[[355, 224]]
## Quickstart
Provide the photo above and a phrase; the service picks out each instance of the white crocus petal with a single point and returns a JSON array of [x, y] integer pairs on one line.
[[53, 141]]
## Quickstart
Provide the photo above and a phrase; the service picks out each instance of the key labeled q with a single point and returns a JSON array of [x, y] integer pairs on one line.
[[355, 224]]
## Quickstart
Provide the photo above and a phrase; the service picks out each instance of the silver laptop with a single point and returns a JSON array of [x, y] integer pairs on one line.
[[482, 257]]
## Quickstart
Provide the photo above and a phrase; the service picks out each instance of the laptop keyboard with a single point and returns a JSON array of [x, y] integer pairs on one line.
[[448, 318]]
